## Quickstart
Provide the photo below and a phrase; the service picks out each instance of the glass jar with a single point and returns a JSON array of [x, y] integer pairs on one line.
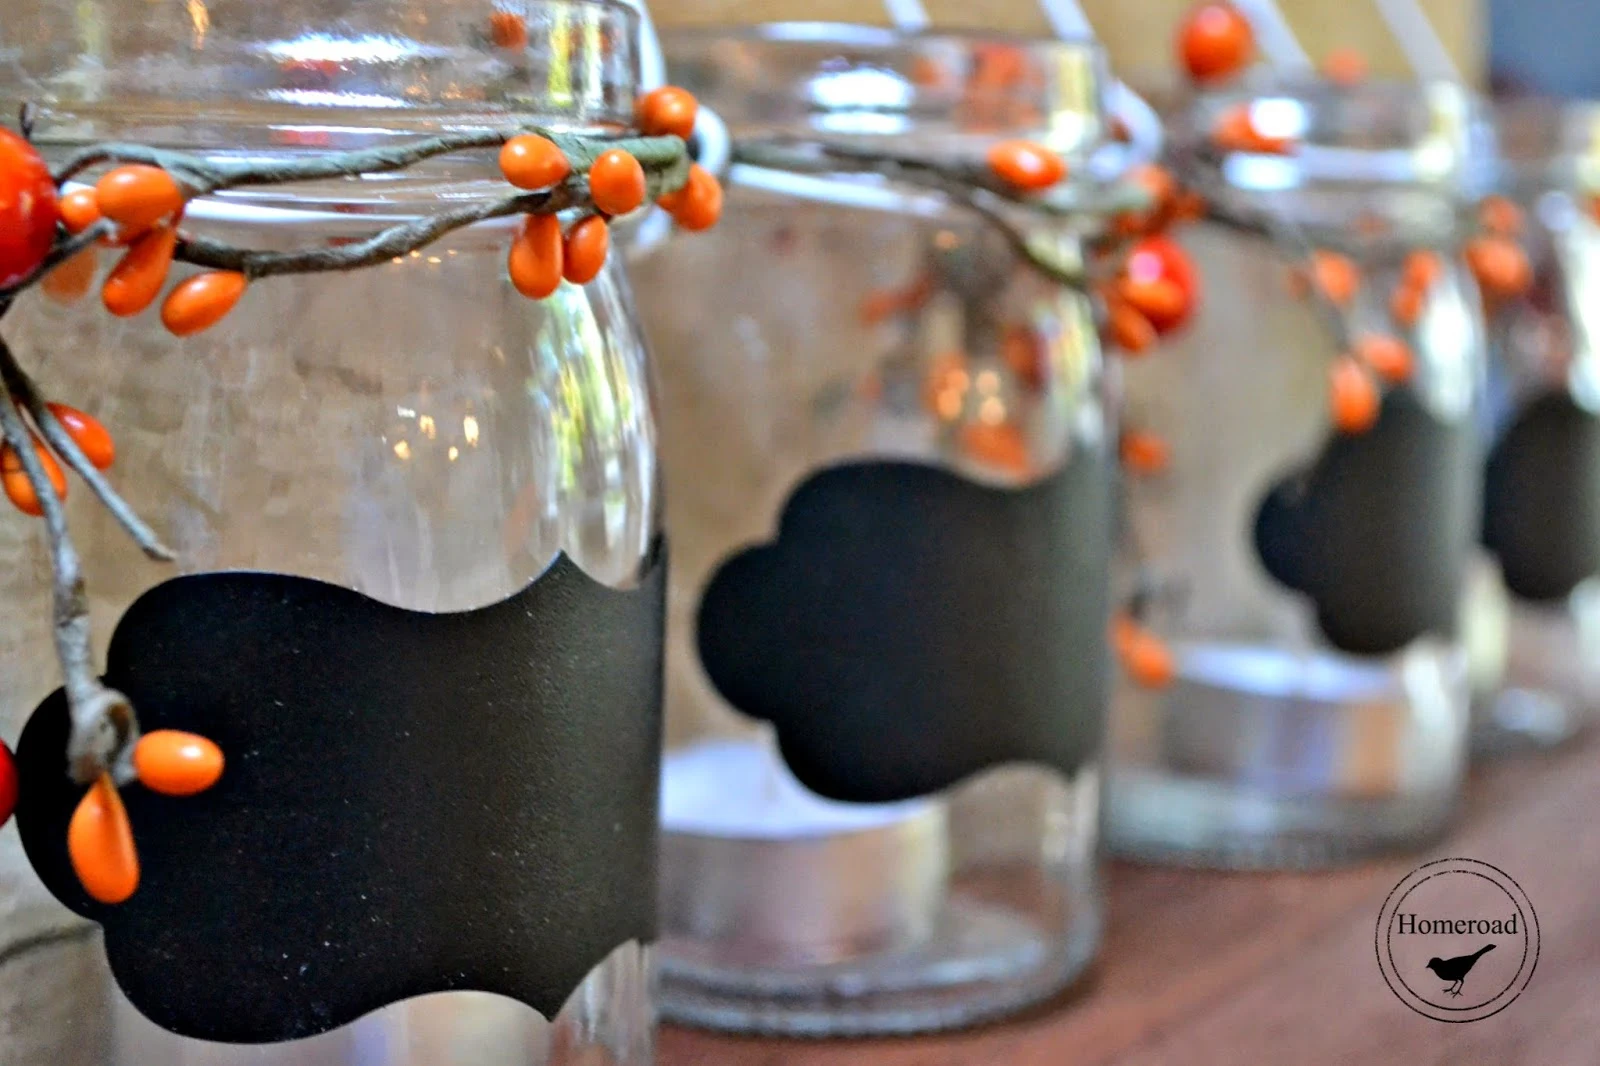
[[1310, 582], [417, 597], [888, 455], [1541, 494]]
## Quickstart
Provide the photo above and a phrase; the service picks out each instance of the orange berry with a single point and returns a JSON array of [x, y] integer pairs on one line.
[[177, 764], [999, 445], [79, 209], [1406, 304], [1188, 206], [1235, 131], [1345, 66], [71, 280], [1389, 357], [1026, 164], [1159, 185], [529, 161], [536, 257], [584, 253], [1353, 397], [1422, 270], [1215, 42], [616, 182], [1024, 354], [1128, 329], [100, 844], [944, 391], [202, 301], [1500, 265], [1157, 299], [86, 431], [136, 281], [1336, 276], [1145, 657], [1500, 216], [880, 305], [1144, 453], [698, 205], [667, 110], [138, 197], [507, 29], [14, 478]]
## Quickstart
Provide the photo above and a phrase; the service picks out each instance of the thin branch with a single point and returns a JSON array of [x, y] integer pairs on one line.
[[406, 237], [204, 175], [59, 254], [23, 388], [968, 185], [103, 724]]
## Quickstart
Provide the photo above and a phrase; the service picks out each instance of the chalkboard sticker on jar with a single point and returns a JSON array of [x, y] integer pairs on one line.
[[1376, 530], [372, 838], [908, 628], [1541, 507]]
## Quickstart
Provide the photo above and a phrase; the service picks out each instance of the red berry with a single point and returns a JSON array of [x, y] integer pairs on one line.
[[27, 209], [1215, 42], [8, 784], [1156, 259]]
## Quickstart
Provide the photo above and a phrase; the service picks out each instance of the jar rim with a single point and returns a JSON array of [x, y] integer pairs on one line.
[[951, 90], [1386, 133], [203, 76]]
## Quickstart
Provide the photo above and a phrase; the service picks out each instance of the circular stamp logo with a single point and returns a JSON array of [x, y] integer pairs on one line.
[[1457, 940]]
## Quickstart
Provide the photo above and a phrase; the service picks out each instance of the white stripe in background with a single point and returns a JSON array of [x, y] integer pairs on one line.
[[1409, 24], [1067, 20], [1278, 42], [907, 15]]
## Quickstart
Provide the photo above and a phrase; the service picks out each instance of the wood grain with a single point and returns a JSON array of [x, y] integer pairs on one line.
[[1138, 35], [1220, 969]]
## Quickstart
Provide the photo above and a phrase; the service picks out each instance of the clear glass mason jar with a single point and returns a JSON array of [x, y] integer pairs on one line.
[[480, 468], [888, 453], [1310, 583], [1541, 681]]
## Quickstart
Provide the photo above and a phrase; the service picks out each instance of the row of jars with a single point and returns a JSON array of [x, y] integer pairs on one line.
[[876, 477]]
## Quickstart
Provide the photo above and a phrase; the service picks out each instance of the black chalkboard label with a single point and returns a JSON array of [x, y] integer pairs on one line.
[[1541, 507], [413, 802], [909, 628], [1378, 530]]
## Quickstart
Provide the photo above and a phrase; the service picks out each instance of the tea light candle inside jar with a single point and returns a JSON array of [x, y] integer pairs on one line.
[[756, 870]]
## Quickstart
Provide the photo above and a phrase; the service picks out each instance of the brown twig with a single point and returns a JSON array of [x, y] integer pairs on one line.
[[968, 185], [104, 728], [23, 389]]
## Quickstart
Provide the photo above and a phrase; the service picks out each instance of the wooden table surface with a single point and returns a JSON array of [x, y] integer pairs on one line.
[[1278, 970]]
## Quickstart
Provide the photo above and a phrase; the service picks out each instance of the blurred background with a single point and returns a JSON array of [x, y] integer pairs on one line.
[[1139, 34]]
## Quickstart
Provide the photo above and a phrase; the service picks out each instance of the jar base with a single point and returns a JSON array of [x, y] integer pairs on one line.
[[1265, 757], [984, 961], [1517, 720], [1549, 685], [1171, 820]]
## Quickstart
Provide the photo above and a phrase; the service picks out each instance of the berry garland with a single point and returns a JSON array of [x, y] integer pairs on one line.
[[50, 236]]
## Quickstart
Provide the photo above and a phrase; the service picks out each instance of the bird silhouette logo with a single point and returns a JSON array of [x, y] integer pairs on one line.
[[1454, 971], [1457, 940]]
